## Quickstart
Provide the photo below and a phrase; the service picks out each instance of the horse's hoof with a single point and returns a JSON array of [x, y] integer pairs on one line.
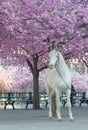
[[49, 118], [60, 120], [72, 120]]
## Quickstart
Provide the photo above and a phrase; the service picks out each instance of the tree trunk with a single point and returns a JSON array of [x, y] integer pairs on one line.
[[36, 104], [35, 72]]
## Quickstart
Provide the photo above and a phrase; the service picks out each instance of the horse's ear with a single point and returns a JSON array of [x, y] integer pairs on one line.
[[53, 47], [58, 45], [49, 48], [56, 48]]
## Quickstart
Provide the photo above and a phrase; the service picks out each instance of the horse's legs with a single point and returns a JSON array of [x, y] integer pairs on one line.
[[69, 105], [49, 93], [50, 107], [58, 105]]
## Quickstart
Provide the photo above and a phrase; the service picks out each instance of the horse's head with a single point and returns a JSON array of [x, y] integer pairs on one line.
[[53, 55]]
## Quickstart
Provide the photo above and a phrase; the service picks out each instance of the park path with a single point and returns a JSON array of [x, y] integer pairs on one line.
[[21, 119]]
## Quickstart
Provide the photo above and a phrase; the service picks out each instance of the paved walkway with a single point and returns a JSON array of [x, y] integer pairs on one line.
[[38, 119]]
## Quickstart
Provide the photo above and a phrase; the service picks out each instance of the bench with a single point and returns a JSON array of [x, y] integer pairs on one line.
[[83, 100], [9, 99], [12, 103], [63, 100], [7, 102], [73, 101]]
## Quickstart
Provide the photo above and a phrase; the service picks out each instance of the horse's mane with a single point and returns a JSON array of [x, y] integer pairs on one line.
[[61, 59], [61, 65]]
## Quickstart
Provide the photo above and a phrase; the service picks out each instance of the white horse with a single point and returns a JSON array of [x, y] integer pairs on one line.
[[58, 79]]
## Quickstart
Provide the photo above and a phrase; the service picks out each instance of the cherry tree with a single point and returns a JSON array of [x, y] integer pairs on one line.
[[80, 81], [18, 79], [28, 28], [6, 80]]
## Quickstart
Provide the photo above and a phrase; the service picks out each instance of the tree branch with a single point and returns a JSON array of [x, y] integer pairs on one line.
[[25, 50], [30, 65], [85, 62], [45, 67]]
